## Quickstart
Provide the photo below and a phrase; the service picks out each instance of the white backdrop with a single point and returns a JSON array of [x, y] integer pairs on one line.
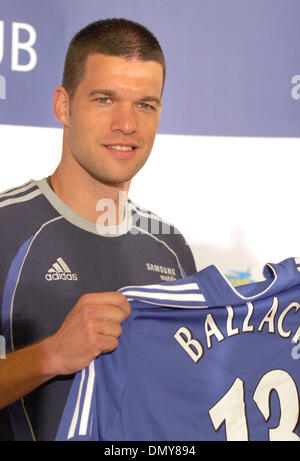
[[235, 199]]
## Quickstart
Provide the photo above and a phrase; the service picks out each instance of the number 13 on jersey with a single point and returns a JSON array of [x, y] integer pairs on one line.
[[231, 408]]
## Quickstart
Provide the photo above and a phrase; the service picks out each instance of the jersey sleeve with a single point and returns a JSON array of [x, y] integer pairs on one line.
[[79, 419], [23, 210], [183, 251], [167, 233]]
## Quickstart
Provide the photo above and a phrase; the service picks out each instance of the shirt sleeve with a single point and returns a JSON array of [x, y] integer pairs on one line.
[[79, 419]]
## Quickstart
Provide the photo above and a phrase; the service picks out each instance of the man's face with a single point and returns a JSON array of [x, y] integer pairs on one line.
[[113, 117]]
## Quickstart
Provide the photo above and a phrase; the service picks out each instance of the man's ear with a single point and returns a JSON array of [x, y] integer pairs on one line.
[[61, 105], [160, 106]]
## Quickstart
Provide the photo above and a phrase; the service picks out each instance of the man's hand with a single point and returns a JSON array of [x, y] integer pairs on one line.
[[91, 328]]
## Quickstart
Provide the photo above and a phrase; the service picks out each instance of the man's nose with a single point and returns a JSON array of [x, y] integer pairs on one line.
[[124, 119]]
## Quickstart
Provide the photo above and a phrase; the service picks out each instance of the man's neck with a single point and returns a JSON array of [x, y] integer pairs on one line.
[[88, 197]]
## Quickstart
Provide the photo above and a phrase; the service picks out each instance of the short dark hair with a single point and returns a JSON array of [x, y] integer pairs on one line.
[[113, 37]]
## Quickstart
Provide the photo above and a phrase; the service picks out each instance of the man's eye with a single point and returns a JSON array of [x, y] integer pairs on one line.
[[104, 100], [146, 106]]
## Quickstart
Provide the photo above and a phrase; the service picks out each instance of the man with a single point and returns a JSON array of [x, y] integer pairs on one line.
[[61, 263]]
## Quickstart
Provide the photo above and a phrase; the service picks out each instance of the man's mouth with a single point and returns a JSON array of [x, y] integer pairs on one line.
[[121, 148], [122, 151]]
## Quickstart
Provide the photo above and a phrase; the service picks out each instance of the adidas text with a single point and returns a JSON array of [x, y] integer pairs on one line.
[[60, 276]]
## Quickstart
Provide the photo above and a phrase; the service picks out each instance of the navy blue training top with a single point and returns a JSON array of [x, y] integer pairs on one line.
[[50, 257]]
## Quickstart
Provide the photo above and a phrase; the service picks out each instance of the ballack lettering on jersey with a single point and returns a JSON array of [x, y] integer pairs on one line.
[[195, 348]]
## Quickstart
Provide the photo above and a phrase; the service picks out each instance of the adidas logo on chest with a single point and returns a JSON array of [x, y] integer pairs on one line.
[[60, 271]]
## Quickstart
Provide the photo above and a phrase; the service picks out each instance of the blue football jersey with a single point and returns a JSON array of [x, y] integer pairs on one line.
[[198, 359]]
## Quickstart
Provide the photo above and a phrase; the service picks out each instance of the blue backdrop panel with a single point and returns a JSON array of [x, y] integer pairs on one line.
[[232, 64]]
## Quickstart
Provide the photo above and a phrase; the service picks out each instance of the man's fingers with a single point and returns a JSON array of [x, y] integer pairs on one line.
[[108, 328], [103, 312], [107, 344], [110, 300]]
